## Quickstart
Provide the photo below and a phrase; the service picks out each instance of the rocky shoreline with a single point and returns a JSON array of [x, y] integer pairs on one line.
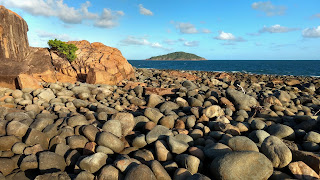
[[164, 125]]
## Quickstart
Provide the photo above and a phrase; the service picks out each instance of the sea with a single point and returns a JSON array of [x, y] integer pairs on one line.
[[273, 67]]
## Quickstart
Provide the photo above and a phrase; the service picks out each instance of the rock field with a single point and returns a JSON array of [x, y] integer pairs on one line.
[[165, 125]]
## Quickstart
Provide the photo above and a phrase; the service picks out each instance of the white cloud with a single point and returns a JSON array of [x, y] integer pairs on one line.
[[108, 18], [186, 28], [132, 40], [191, 43], [277, 29], [64, 12], [207, 31], [228, 37], [311, 32], [145, 11], [225, 36], [268, 8], [170, 41]]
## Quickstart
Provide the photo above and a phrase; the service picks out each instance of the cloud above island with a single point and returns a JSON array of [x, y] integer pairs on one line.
[[277, 29], [311, 32], [268, 8], [145, 11], [141, 41], [228, 37], [191, 43]]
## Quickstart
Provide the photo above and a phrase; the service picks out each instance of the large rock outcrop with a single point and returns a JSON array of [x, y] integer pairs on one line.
[[23, 66], [96, 63], [14, 44]]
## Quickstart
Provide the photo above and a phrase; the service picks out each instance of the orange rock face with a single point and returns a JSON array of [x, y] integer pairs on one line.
[[95, 64], [27, 81]]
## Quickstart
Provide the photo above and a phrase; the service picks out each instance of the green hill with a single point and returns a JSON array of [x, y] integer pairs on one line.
[[178, 56]]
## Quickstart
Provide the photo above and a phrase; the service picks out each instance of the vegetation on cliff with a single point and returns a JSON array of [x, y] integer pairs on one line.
[[177, 56], [64, 49]]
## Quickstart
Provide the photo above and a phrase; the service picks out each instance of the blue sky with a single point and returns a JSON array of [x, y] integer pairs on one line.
[[214, 29]]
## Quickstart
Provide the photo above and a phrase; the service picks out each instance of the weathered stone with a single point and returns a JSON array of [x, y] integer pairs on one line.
[[29, 162], [278, 153], [142, 172], [181, 174], [154, 100], [191, 163], [302, 171], [158, 132], [126, 120], [242, 143], [163, 154], [94, 162], [159, 171], [281, 131], [241, 100], [111, 141], [213, 111], [54, 176], [51, 162], [153, 114], [90, 132], [309, 158], [114, 127], [215, 150], [78, 120], [109, 172], [177, 146], [6, 164], [84, 175], [6, 142], [254, 165], [76, 141]]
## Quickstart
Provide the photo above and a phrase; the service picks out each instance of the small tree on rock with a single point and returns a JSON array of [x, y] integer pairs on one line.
[[66, 50]]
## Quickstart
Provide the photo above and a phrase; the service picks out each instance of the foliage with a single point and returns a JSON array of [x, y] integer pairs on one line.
[[67, 50], [177, 56]]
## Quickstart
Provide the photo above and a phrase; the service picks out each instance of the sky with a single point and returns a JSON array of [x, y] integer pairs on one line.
[[213, 29]]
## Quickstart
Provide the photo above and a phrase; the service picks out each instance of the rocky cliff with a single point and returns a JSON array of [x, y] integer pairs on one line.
[[22, 66]]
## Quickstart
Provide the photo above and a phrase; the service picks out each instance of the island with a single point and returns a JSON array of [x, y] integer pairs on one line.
[[178, 56]]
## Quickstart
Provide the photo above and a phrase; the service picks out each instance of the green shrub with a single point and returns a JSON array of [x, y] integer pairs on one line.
[[67, 50]]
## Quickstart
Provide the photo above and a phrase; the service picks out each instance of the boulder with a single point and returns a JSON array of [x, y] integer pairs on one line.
[[254, 165], [94, 162], [302, 171], [142, 172], [241, 100], [278, 153], [51, 162]]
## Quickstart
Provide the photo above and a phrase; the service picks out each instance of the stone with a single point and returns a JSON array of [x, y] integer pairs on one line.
[[191, 163], [154, 100], [302, 171], [177, 146], [78, 120], [159, 91], [18, 148], [153, 114], [258, 136], [312, 137], [28, 81], [126, 120], [198, 176], [29, 162], [281, 131], [33, 149], [51, 162], [189, 85], [114, 127], [109, 172], [309, 158], [84, 175], [6, 165], [54, 176], [62, 149], [278, 153], [159, 171], [167, 121], [139, 141], [161, 151], [93, 162], [257, 124], [213, 111], [242, 143], [181, 174], [6, 142], [197, 152], [168, 106], [157, 133], [46, 95], [241, 100], [143, 155], [78, 103], [76, 141], [215, 150], [279, 175], [254, 165], [111, 141], [90, 132], [137, 101], [142, 172], [125, 163]]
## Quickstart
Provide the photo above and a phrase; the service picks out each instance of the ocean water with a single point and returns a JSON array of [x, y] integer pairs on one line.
[[275, 67]]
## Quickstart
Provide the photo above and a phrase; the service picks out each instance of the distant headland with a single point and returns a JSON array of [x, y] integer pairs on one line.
[[178, 56]]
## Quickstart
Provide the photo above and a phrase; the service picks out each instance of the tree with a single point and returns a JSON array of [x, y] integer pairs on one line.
[[66, 50]]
